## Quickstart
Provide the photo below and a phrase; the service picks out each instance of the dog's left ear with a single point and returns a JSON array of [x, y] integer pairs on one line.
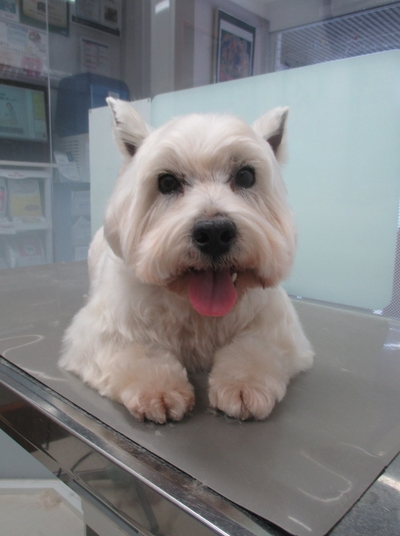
[[272, 127], [130, 129]]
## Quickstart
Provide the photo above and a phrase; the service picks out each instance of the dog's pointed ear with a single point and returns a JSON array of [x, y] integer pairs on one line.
[[130, 129], [272, 127]]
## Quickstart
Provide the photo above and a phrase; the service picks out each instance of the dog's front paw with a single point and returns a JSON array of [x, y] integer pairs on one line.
[[159, 403], [245, 399]]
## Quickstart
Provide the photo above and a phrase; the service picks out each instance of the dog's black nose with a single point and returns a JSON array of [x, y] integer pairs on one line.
[[214, 237]]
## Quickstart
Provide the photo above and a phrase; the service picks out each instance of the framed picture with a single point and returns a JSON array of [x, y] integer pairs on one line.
[[234, 48], [104, 15], [95, 57], [9, 10], [34, 13]]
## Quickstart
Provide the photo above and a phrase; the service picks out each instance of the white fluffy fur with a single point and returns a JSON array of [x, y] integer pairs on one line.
[[138, 334]]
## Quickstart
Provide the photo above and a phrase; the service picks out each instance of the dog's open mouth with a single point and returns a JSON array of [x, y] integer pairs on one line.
[[214, 292], [211, 292]]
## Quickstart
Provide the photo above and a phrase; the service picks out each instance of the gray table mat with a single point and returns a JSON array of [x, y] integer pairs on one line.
[[304, 467]]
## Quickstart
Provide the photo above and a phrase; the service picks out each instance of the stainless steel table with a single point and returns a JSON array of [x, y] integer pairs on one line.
[[326, 446]]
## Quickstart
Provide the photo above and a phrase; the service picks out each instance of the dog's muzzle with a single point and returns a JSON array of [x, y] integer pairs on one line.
[[214, 237]]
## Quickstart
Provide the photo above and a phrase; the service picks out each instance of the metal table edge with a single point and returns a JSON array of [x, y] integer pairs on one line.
[[176, 489]]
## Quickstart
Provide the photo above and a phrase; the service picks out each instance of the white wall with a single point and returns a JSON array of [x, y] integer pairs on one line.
[[162, 66]]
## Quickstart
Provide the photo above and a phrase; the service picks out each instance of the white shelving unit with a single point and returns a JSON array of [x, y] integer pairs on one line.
[[38, 227]]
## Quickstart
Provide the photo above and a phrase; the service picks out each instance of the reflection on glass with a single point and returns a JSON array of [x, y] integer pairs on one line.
[[59, 60]]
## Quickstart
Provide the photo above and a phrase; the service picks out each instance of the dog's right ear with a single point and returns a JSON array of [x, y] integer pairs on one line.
[[130, 129], [272, 127]]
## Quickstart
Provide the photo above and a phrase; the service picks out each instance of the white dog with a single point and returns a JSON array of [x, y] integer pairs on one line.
[[185, 273]]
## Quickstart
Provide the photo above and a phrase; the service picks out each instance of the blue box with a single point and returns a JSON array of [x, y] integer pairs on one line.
[[79, 93]]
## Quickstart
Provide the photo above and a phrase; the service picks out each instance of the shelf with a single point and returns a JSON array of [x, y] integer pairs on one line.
[[7, 228], [14, 231], [28, 186], [14, 163], [32, 227]]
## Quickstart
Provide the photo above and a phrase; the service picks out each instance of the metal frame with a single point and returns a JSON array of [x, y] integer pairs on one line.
[[101, 464], [160, 491]]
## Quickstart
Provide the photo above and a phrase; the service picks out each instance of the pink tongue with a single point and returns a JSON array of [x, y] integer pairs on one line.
[[212, 293]]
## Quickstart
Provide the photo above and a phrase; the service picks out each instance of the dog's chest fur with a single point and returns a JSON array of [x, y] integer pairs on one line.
[[158, 317], [187, 335]]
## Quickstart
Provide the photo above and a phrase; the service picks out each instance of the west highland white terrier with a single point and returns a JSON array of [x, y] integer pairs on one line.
[[185, 272]]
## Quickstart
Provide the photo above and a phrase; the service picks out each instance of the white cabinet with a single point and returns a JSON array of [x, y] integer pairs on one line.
[[26, 237]]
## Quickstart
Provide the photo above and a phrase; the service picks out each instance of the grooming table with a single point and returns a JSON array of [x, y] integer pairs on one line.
[[324, 462]]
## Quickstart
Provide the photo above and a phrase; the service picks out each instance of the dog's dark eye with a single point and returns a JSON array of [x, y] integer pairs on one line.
[[168, 184], [245, 178]]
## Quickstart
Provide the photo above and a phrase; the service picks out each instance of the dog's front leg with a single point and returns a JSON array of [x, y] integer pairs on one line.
[[248, 377], [153, 385]]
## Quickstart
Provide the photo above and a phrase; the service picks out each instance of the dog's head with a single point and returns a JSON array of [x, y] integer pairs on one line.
[[200, 205]]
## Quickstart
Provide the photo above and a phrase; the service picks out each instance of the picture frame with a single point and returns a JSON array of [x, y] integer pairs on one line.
[[33, 13], [95, 57], [103, 15], [234, 51]]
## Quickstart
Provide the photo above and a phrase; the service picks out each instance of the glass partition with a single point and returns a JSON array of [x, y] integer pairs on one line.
[[336, 64]]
